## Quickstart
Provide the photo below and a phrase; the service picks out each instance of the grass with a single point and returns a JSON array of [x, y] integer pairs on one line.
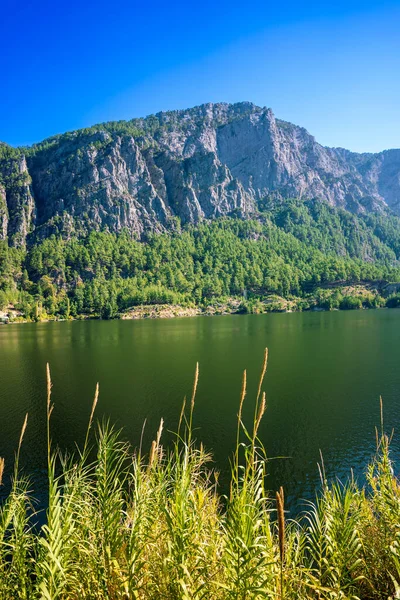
[[131, 525]]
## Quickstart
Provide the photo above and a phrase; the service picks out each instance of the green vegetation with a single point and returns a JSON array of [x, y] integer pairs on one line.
[[149, 526], [10, 174], [153, 125], [296, 255]]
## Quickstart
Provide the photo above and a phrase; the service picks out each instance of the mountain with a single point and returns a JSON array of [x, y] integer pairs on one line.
[[209, 161]]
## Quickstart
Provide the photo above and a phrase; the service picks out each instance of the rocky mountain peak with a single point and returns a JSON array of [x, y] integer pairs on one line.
[[204, 162]]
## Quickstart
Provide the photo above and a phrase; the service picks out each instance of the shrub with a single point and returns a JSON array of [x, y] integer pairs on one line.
[[393, 301], [350, 303]]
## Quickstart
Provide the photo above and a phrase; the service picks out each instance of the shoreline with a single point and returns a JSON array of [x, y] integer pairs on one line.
[[350, 297], [323, 299], [159, 312]]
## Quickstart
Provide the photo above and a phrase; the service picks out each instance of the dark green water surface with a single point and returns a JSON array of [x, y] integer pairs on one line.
[[325, 375]]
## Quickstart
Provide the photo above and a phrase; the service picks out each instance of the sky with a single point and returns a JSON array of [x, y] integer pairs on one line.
[[331, 67]]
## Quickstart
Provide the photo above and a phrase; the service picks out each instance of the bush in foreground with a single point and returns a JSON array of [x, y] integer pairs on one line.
[[156, 527]]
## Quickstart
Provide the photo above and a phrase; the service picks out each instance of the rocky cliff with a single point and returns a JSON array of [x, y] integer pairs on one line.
[[212, 160]]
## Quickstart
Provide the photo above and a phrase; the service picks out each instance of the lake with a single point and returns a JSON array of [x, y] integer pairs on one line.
[[325, 375]]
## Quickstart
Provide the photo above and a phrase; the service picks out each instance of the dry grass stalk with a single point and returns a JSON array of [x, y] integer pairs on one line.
[[239, 424], [261, 411], [159, 432], [1, 470], [196, 381], [96, 397], [49, 386], [280, 504], [49, 411], [263, 371], [158, 447], [153, 453], [260, 383], [21, 437], [242, 395]]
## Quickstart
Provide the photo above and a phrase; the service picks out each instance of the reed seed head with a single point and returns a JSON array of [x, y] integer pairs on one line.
[[280, 500], [96, 397], [282, 495], [261, 411], [159, 432], [263, 371], [242, 394], [49, 384], [153, 452], [21, 437], [196, 381]]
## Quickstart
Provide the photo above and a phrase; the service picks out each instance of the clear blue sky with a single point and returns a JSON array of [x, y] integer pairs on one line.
[[332, 67]]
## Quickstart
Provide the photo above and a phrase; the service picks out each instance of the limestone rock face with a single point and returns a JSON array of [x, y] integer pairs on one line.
[[205, 162], [17, 205], [3, 214], [100, 186]]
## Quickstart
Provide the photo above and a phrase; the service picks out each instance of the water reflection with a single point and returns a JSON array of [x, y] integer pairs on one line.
[[324, 379]]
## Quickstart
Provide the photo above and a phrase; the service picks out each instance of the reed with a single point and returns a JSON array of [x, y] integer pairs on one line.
[[131, 525], [235, 471], [260, 383], [95, 400], [280, 503]]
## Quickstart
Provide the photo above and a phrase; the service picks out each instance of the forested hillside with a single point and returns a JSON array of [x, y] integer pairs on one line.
[[291, 249], [195, 208]]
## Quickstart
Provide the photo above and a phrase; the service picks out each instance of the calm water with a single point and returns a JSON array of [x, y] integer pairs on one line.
[[325, 375]]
